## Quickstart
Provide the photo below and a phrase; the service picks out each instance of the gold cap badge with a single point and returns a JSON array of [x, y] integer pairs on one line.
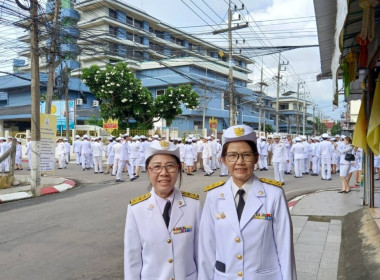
[[164, 144], [239, 131]]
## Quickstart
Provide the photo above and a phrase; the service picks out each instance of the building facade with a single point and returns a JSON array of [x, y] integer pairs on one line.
[[163, 56]]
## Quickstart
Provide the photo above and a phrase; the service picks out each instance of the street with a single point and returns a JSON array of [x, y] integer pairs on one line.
[[78, 234]]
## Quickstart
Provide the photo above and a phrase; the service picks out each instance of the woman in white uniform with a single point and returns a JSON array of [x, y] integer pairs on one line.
[[161, 231], [345, 164], [356, 166], [246, 230], [189, 157]]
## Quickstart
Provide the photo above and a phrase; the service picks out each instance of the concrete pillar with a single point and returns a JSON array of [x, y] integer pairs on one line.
[[1, 127]]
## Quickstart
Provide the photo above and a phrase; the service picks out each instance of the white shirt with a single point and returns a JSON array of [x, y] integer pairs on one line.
[[246, 187]]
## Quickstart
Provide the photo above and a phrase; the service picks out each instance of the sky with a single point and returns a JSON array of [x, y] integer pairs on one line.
[[272, 19], [271, 23]]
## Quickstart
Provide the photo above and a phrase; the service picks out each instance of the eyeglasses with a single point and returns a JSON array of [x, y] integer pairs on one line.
[[170, 168], [232, 157]]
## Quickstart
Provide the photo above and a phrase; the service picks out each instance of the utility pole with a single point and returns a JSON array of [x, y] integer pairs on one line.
[[262, 83], [298, 107], [278, 92], [35, 173], [52, 57], [314, 107], [231, 95], [66, 88], [304, 113]]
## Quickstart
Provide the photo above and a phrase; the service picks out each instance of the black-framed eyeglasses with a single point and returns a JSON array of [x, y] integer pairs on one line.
[[232, 157], [170, 168]]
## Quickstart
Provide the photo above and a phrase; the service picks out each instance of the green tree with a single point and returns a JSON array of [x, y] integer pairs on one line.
[[268, 128], [123, 97], [336, 129]]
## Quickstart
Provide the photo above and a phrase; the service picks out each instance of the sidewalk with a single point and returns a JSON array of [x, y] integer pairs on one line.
[[49, 185], [323, 240]]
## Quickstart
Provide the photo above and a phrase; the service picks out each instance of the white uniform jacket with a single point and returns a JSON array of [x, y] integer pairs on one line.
[[280, 153], [154, 252], [259, 247], [96, 149], [76, 146]]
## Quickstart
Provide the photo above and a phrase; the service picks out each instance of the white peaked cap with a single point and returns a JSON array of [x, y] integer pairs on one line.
[[161, 147], [239, 133]]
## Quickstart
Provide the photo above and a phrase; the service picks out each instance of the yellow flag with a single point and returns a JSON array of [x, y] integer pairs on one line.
[[373, 134], [360, 132]]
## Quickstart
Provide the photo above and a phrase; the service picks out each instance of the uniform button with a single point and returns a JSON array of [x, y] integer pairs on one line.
[[239, 257], [237, 239], [240, 274], [170, 260], [169, 240]]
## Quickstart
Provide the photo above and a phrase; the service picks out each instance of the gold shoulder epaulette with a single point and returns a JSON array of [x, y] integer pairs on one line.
[[215, 185], [140, 198], [271, 182], [191, 195]]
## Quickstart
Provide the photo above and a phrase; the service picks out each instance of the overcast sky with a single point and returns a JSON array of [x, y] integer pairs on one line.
[[271, 23]]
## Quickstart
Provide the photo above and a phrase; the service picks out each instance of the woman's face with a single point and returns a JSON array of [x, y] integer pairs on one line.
[[163, 179], [240, 170]]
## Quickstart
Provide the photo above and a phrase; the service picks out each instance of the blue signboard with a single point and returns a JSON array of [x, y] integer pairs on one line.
[[58, 109]]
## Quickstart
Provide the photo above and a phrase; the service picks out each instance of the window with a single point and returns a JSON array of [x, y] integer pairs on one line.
[[138, 23], [129, 36], [112, 30], [129, 20], [284, 106], [198, 123], [159, 92], [113, 48], [138, 39], [112, 13]]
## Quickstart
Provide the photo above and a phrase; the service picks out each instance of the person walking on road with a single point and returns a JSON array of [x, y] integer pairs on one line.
[[28, 151], [97, 153], [109, 154], [326, 151], [68, 147], [263, 154], [298, 150], [207, 156], [345, 164], [246, 230], [161, 229], [61, 152], [18, 158], [85, 151], [76, 149], [279, 158]]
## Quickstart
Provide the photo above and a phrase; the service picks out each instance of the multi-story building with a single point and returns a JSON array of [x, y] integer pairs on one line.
[[162, 56], [293, 115]]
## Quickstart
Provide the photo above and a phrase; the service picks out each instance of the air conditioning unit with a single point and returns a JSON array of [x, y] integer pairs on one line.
[[95, 103], [79, 101]]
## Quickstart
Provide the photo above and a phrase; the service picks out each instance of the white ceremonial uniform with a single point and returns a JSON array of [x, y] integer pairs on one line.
[[97, 152], [316, 158], [85, 150], [189, 155], [109, 152], [4, 148], [134, 148], [76, 150], [345, 164], [1, 153], [116, 150], [263, 152], [260, 246], [288, 146], [181, 147], [357, 164], [61, 152], [206, 154], [28, 153], [200, 146], [18, 158], [214, 151], [306, 157], [298, 151], [153, 251], [279, 160], [325, 150], [67, 146], [124, 160]]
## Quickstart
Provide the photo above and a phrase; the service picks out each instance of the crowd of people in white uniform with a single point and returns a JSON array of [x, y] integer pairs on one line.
[[299, 156]]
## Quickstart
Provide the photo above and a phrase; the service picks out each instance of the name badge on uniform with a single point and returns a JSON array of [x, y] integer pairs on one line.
[[262, 216], [220, 216], [177, 230]]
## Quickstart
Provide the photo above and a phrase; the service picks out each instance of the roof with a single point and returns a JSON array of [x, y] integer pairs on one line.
[[23, 80]]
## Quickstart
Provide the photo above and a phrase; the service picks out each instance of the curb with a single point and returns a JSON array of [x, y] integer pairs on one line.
[[66, 185], [294, 201]]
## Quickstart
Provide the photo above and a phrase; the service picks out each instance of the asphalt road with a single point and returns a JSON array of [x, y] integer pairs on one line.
[[78, 234]]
